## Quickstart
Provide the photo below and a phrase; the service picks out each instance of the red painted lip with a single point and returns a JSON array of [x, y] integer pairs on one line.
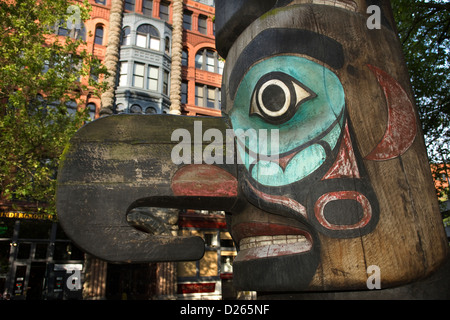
[[204, 181], [256, 229]]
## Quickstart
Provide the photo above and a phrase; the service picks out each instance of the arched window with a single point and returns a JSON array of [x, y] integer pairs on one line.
[[98, 35], [135, 108], [126, 36], [92, 108], [120, 108], [167, 45], [166, 82], [148, 37], [150, 110], [209, 60]]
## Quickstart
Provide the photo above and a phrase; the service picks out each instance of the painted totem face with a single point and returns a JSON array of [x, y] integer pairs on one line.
[[336, 182], [304, 102], [312, 186]]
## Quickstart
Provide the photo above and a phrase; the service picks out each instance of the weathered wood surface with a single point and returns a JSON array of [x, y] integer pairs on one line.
[[364, 199], [349, 186], [118, 163]]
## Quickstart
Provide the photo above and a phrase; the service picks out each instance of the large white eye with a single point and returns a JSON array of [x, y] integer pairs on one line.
[[274, 98], [277, 96]]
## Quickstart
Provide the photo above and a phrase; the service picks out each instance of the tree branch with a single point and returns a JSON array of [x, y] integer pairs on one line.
[[433, 5]]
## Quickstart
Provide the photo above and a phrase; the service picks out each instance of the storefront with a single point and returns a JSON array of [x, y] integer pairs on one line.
[[37, 260], [212, 276]]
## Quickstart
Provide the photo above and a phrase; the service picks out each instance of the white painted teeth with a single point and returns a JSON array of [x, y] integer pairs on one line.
[[348, 5], [262, 241]]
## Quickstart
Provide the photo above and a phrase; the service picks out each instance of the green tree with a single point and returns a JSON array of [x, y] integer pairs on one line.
[[39, 86], [424, 28]]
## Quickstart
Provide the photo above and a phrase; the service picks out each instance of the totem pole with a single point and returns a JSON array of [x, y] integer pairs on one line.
[[318, 160]]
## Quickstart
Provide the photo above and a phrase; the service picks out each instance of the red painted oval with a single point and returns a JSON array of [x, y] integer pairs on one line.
[[204, 181]]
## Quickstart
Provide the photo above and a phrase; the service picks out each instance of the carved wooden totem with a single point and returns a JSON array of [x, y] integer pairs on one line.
[[352, 185], [336, 183]]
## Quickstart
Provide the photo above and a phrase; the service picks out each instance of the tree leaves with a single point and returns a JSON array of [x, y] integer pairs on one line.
[[40, 91], [424, 28]]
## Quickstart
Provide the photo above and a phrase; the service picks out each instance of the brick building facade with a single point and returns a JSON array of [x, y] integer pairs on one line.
[[145, 58]]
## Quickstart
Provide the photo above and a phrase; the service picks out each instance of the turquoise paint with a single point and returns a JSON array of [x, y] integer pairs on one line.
[[302, 164], [312, 119], [333, 136]]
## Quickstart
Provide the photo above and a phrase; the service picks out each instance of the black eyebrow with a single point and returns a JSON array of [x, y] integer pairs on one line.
[[281, 41]]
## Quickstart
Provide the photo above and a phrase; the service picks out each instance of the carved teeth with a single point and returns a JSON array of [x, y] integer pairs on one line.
[[344, 4], [262, 241]]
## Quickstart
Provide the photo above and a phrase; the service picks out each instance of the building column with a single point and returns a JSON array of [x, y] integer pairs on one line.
[[138, 6], [194, 22], [210, 26], [156, 4]]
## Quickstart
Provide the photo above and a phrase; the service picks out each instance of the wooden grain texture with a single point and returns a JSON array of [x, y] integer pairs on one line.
[[406, 241], [348, 186], [118, 163]]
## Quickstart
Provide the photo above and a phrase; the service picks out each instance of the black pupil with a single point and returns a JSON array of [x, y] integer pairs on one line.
[[273, 98]]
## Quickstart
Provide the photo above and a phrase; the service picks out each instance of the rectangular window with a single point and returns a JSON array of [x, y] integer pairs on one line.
[[221, 65], [101, 1], [202, 24], [123, 75], [126, 36], [184, 58], [138, 75], [167, 45], [155, 43], [147, 7], [62, 30], [141, 40], [166, 83], [184, 92], [98, 36], [164, 11], [153, 73], [206, 96], [211, 101], [199, 94], [129, 5], [187, 20], [199, 60], [210, 61]]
